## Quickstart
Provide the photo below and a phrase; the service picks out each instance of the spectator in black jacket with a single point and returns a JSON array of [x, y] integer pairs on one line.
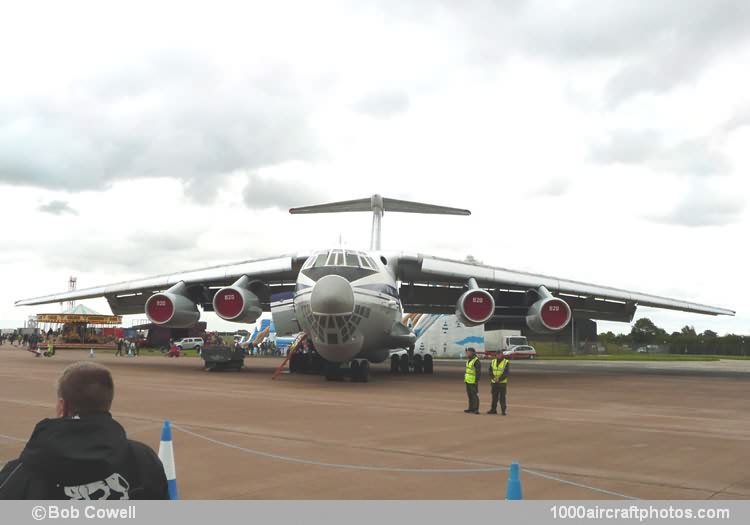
[[84, 454]]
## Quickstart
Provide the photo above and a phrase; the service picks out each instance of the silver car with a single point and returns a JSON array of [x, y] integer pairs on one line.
[[189, 342]]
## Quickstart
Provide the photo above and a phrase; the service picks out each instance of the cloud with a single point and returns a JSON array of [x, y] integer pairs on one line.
[[704, 206], [139, 253], [384, 104], [649, 47], [696, 156], [264, 193], [57, 208], [658, 45], [173, 115], [555, 187], [741, 118]]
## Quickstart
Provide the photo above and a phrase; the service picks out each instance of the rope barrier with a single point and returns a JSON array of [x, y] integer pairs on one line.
[[371, 468]]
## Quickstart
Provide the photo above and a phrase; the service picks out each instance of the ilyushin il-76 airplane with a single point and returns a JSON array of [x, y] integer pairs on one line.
[[350, 303]]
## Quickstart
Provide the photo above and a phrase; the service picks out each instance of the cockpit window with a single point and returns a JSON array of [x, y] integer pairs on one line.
[[351, 259], [341, 257], [335, 258], [320, 260]]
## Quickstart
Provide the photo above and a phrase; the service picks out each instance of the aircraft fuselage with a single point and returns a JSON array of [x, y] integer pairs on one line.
[[347, 302]]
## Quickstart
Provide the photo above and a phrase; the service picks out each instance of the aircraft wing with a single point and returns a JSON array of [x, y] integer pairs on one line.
[[129, 297], [433, 285]]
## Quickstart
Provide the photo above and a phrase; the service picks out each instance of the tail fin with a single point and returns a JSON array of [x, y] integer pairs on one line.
[[378, 205]]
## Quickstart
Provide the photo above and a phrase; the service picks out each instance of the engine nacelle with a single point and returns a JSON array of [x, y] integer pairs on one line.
[[549, 314], [172, 309], [237, 304], [475, 307]]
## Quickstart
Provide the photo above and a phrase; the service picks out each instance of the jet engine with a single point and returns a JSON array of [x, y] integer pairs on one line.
[[475, 307], [548, 314], [237, 303], [172, 308]]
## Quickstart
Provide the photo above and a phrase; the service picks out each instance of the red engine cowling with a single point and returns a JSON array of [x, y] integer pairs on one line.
[[238, 305], [475, 307], [172, 310], [549, 314]]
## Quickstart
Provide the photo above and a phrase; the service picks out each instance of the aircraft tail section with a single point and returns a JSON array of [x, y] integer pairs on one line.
[[378, 205]]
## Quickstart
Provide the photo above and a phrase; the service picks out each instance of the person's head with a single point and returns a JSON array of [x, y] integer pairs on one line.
[[470, 352], [84, 389]]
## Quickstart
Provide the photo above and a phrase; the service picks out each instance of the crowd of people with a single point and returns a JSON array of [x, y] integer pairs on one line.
[[264, 349], [14, 339], [128, 347]]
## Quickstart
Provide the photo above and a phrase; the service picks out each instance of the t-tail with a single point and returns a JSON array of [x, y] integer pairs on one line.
[[379, 205]]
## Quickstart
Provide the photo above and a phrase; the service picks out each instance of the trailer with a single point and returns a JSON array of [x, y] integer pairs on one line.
[[223, 357]]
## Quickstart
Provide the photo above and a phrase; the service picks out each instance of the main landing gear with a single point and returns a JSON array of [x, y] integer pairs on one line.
[[411, 363], [358, 370], [306, 363]]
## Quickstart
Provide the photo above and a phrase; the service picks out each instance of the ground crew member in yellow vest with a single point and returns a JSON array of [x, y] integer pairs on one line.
[[471, 378], [499, 382]]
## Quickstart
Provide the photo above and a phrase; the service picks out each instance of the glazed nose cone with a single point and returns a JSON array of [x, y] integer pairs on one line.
[[332, 295]]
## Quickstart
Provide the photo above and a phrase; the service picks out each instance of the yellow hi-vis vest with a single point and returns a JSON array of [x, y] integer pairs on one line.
[[471, 374], [498, 367]]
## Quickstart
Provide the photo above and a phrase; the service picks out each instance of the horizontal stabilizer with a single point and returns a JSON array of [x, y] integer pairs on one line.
[[336, 207], [382, 203], [379, 205], [418, 207]]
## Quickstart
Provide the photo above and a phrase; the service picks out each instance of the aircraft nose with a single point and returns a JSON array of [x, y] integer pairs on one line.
[[332, 295]]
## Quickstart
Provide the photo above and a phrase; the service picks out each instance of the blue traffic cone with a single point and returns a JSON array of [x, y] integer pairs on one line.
[[514, 483], [166, 455]]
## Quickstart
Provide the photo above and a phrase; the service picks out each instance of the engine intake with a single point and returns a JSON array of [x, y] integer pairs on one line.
[[237, 303], [547, 315], [172, 308], [475, 307]]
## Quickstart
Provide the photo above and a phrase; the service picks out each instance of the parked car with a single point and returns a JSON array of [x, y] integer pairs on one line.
[[189, 342], [520, 352]]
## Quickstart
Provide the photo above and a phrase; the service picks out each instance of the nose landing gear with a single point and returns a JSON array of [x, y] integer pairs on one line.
[[358, 371]]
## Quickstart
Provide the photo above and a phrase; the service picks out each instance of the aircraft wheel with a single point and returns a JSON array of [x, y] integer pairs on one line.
[[364, 371], [317, 364], [427, 364], [418, 364], [404, 364], [355, 371], [332, 372], [307, 363], [394, 363]]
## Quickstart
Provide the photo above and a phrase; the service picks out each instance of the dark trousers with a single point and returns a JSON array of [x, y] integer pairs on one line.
[[499, 390], [473, 392]]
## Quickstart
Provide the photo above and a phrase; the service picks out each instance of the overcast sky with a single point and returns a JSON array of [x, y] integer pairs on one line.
[[603, 141]]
